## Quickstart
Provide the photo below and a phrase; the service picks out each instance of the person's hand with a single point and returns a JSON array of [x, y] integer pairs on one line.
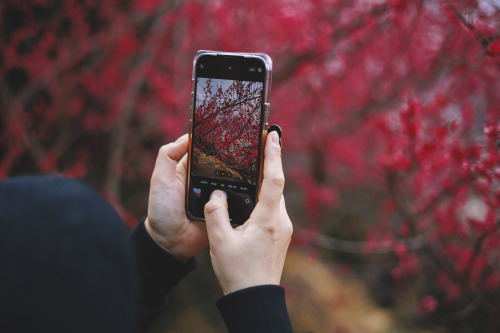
[[167, 222], [252, 254]]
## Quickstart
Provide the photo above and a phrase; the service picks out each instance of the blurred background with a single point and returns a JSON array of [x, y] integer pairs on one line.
[[390, 111]]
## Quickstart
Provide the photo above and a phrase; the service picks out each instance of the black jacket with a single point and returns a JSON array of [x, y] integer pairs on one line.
[[67, 265]]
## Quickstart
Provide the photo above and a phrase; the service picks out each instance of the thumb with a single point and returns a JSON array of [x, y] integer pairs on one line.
[[217, 217], [166, 162]]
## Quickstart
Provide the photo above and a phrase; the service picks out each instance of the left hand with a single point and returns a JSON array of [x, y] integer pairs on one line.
[[167, 222]]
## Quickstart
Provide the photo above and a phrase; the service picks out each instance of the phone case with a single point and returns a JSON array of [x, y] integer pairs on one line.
[[266, 100]]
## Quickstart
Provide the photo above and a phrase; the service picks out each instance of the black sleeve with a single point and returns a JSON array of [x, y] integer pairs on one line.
[[159, 272], [260, 309]]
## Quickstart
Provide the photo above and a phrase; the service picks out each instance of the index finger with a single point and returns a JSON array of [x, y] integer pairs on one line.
[[274, 179]]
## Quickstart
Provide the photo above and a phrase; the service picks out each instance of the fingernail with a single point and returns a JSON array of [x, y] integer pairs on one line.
[[179, 139], [275, 138], [218, 194]]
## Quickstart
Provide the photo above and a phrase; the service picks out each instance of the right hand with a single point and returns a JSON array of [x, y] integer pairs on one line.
[[254, 253]]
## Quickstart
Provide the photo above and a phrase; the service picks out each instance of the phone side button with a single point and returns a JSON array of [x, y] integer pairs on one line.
[[267, 107]]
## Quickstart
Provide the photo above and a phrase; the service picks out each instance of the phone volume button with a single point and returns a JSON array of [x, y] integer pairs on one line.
[[267, 108]]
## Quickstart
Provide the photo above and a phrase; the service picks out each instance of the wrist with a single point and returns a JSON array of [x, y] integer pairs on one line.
[[161, 241]]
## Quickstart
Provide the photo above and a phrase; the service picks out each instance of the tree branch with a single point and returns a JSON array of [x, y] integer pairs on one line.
[[481, 38], [119, 133]]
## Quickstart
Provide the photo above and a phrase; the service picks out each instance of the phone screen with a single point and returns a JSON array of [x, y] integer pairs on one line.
[[227, 121]]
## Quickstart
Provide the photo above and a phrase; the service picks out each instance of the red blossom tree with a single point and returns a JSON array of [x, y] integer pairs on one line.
[[389, 109]]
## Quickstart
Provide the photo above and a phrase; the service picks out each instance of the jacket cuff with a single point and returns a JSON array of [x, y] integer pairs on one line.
[[256, 309], [159, 270]]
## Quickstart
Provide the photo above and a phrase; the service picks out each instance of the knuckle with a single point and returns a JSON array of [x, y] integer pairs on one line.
[[271, 229], [165, 149], [278, 180], [279, 229], [211, 207], [289, 229], [276, 151]]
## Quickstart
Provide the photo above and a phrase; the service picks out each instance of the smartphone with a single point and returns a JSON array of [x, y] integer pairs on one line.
[[227, 130]]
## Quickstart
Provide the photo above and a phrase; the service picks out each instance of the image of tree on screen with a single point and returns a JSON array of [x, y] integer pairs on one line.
[[226, 129]]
